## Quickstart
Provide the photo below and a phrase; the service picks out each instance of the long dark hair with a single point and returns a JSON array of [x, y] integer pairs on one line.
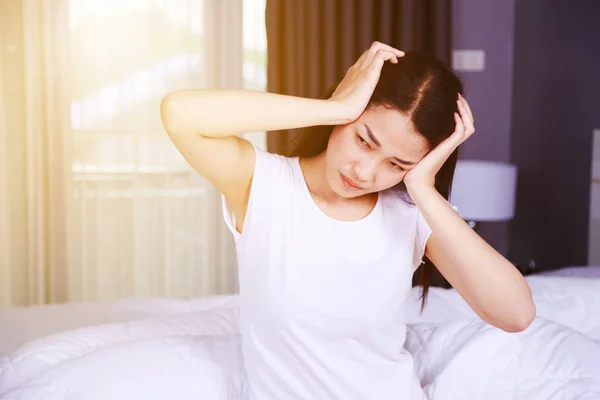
[[425, 89]]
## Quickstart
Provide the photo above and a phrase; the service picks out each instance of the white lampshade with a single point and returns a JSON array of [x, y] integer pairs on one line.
[[484, 190]]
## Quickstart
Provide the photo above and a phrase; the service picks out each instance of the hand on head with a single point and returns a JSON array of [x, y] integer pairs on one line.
[[355, 90], [424, 172]]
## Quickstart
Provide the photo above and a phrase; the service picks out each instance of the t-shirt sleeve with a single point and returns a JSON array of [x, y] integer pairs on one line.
[[422, 236], [268, 169]]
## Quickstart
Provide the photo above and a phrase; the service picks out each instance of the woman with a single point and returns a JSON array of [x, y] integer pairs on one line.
[[327, 243]]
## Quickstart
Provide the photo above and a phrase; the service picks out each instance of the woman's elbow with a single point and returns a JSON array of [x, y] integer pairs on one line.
[[167, 105], [521, 317], [173, 115]]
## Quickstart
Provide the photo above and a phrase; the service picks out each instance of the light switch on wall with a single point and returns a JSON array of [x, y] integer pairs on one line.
[[468, 60]]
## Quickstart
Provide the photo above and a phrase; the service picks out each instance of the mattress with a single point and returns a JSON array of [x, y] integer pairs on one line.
[[158, 348]]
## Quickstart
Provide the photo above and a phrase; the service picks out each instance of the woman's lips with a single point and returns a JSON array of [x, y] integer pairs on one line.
[[350, 184]]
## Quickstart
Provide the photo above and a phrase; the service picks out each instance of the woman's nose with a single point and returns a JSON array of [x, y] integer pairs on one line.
[[365, 170]]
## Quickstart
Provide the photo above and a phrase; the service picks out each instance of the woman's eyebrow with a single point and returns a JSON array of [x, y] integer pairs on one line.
[[372, 136], [378, 144]]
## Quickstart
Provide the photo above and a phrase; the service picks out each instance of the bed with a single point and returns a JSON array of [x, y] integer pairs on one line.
[[159, 348]]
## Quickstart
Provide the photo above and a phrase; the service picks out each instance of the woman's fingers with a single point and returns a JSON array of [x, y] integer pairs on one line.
[[361, 78], [458, 136], [438, 156], [466, 119], [382, 46], [376, 47], [362, 61], [381, 57], [467, 107], [460, 126]]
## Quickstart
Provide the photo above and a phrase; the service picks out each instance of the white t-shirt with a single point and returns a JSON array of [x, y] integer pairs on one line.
[[321, 299]]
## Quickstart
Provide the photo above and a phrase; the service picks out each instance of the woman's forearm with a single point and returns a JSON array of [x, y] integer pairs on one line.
[[491, 285], [218, 113]]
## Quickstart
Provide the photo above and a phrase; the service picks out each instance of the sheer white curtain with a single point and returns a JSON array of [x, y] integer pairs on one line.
[[95, 201]]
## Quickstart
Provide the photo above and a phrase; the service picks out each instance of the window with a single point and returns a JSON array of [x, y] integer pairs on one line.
[[142, 221]]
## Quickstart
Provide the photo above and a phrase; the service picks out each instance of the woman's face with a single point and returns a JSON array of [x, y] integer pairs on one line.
[[373, 153]]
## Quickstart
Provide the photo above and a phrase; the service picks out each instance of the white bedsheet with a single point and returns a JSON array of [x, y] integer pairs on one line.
[[183, 350], [570, 301], [21, 325]]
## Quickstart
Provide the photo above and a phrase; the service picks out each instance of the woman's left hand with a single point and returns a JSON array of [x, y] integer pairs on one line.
[[423, 174]]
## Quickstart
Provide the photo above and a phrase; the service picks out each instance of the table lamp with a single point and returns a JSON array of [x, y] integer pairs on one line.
[[484, 191]]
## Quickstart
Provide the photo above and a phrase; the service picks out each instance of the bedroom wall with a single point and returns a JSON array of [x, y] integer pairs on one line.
[[536, 104], [555, 108], [488, 25]]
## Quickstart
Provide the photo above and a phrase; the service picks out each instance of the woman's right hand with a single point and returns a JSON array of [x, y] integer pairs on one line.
[[355, 90]]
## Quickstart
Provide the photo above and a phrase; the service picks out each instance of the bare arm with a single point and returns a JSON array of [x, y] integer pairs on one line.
[[488, 282], [222, 113], [203, 124]]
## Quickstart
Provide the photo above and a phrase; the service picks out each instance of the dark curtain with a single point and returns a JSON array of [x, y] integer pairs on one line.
[[312, 43]]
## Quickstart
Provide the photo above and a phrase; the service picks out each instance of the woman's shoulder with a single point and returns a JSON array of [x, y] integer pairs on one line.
[[262, 152], [276, 169]]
